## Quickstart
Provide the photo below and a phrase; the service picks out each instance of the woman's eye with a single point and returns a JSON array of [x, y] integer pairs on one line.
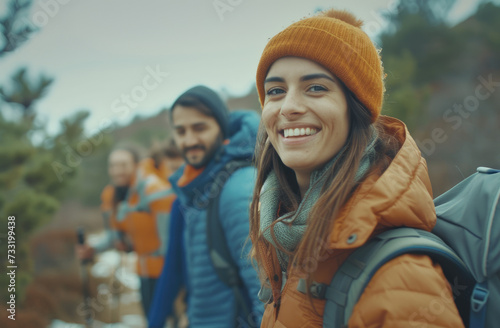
[[316, 88], [275, 91]]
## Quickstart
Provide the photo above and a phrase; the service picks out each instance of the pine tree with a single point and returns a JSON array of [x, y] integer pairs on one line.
[[37, 169]]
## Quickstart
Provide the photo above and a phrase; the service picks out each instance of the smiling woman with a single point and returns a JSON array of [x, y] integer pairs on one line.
[[333, 173], [302, 96]]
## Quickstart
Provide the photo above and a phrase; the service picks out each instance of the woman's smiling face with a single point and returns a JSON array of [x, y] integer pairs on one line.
[[305, 113]]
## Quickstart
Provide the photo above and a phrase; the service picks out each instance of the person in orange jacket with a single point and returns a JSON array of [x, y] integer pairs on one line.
[[136, 208], [166, 159], [333, 173]]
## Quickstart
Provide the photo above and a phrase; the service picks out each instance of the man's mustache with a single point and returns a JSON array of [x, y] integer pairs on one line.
[[187, 149]]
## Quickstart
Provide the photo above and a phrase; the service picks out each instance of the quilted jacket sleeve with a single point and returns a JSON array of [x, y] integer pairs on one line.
[[172, 278], [234, 211], [409, 291]]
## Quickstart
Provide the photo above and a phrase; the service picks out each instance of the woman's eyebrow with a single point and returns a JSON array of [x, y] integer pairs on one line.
[[302, 79], [317, 76], [274, 79]]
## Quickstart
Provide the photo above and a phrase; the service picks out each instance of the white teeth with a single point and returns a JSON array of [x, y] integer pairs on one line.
[[299, 132]]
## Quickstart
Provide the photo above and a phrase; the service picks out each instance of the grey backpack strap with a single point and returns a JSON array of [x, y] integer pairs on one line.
[[356, 272], [220, 255], [224, 265]]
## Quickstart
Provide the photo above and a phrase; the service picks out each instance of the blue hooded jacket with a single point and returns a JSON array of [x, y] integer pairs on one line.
[[211, 301]]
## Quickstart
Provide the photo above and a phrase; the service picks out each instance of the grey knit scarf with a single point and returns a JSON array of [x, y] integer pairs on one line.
[[289, 231]]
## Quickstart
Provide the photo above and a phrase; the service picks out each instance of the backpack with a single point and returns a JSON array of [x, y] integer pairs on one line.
[[224, 265], [465, 242]]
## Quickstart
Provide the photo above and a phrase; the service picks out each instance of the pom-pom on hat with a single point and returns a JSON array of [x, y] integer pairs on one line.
[[335, 40]]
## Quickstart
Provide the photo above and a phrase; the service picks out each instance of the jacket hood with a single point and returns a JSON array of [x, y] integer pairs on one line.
[[240, 146], [401, 196]]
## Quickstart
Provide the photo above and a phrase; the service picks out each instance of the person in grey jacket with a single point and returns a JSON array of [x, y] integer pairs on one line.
[[210, 138]]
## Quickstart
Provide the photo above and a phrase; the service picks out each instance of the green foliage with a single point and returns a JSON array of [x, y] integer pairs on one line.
[[482, 29], [35, 176], [400, 68], [14, 31], [403, 97], [433, 12], [73, 127], [23, 92], [420, 50], [430, 45], [32, 210], [93, 175], [432, 69]]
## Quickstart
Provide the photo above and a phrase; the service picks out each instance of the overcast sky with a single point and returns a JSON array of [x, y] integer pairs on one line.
[[119, 58]]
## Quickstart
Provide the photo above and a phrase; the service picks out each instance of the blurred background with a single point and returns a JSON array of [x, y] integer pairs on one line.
[[76, 77]]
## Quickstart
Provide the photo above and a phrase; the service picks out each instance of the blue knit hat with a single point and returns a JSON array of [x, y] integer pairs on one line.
[[213, 102]]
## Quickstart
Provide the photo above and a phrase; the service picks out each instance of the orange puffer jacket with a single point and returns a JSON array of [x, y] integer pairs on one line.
[[143, 217], [409, 291]]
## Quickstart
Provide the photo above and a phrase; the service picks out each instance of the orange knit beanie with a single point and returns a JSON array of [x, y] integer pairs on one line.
[[333, 39]]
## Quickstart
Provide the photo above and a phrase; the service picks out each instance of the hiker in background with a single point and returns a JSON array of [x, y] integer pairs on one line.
[[136, 207], [333, 173], [215, 146], [166, 158]]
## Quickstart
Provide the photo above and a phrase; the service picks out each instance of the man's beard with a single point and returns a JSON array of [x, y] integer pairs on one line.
[[209, 154]]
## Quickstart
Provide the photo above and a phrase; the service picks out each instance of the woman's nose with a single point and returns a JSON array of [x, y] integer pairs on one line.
[[293, 104]]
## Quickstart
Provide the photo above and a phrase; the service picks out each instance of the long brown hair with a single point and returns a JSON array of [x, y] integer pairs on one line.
[[339, 186]]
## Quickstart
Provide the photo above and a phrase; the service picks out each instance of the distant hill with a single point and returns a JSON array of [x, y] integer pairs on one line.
[[465, 104], [444, 83]]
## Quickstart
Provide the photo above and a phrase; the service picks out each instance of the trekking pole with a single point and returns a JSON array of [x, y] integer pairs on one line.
[[85, 280], [115, 284]]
